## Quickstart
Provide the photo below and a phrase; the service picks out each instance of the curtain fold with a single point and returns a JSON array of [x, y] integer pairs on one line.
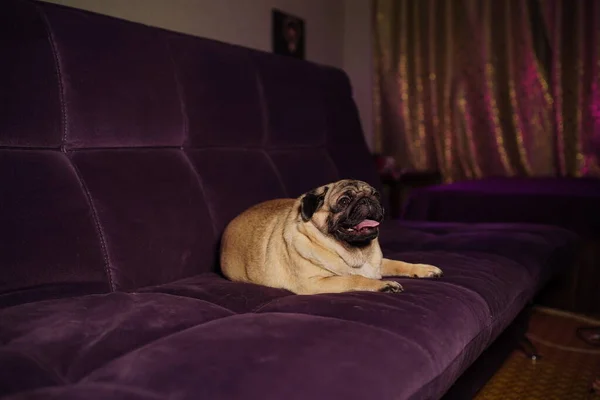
[[478, 88]]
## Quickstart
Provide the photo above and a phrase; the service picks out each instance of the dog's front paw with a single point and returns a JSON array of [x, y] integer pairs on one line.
[[390, 287], [427, 271]]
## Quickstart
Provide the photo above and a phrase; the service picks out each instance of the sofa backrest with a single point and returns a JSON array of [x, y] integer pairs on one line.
[[126, 149]]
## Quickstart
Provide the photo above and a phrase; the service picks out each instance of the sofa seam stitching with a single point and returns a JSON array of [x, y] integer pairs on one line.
[[175, 146], [264, 114], [332, 163], [152, 290], [152, 342], [265, 123], [263, 305], [179, 89], [97, 224], [209, 208], [276, 171], [42, 365], [59, 74]]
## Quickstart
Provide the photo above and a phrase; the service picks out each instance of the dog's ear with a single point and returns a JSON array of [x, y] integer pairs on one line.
[[311, 202]]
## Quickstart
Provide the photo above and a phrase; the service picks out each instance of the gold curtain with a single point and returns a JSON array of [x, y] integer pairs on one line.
[[477, 88]]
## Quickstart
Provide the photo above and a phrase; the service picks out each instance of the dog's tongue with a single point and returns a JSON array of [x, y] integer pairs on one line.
[[367, 223]]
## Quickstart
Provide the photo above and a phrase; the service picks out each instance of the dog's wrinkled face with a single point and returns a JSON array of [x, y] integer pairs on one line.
[[348, 210]]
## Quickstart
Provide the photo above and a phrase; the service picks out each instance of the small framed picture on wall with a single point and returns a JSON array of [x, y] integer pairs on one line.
[[288, 34]]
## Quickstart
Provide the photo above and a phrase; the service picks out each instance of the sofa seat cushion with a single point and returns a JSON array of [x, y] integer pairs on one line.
[[56, 342], [268, 356], [206, 337], [539, 250], [213, 288], [490, 273]]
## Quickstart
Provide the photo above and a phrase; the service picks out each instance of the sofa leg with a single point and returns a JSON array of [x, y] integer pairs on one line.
[[529, 349]]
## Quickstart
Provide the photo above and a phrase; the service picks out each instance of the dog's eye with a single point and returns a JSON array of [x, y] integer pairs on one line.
[[344, 201], [377, 195]]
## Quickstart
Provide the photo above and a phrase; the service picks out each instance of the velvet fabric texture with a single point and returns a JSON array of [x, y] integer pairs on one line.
[[571, 203], [206, 337], [126, 151]]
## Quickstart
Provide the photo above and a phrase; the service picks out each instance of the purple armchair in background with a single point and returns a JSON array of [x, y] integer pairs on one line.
[[570, 203]]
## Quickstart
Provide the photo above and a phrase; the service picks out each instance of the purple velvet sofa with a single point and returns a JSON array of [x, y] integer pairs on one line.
[[125, 150], [566, 202]]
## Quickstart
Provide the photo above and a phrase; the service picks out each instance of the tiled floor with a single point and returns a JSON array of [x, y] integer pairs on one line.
[[565, 371]]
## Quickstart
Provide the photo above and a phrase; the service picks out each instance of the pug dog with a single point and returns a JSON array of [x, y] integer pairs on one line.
[[325, 241]]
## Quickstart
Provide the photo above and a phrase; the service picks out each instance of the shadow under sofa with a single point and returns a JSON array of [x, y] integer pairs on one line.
[[126, 149]]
